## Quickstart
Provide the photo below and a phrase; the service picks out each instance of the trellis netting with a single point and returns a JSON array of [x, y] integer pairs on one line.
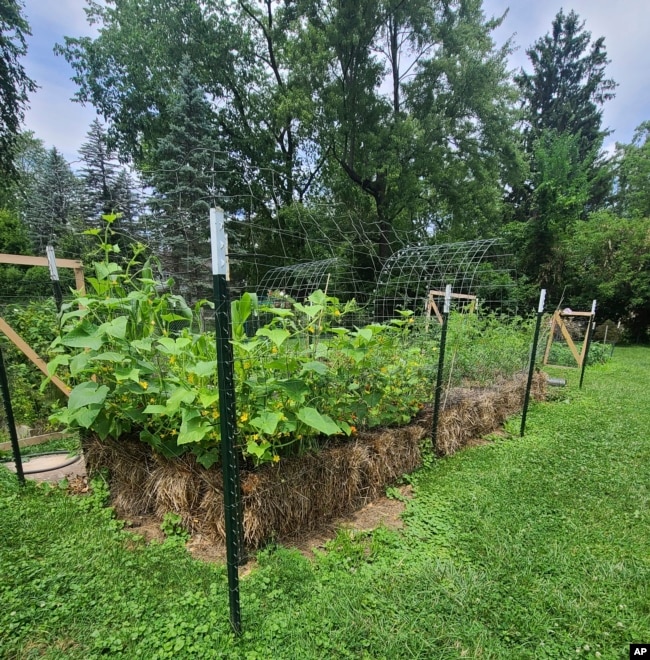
[[336, 317]]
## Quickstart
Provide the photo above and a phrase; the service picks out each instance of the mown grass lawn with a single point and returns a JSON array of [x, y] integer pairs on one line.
[[525, 548]]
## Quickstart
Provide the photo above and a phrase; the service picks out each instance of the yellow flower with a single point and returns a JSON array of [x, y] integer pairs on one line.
[[144, 384], [337, 313], [215, 414], [172, 359], [274, 350], [276, 458], [173, 432], [310, 328], [243, 417]]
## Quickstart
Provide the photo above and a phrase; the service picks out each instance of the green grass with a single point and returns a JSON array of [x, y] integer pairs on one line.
[[526, 548]]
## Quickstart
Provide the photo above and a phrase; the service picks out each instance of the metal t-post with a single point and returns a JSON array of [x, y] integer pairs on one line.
[[227, 411], [590, 332], [531, 365], [54, 276], [9, 412], [441, 366]]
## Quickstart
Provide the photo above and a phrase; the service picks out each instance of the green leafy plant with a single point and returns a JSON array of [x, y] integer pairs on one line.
[[140, 366], [300, 377], [172, 527]]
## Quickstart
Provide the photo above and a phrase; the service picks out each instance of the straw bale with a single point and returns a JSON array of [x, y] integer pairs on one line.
[[302, 493]]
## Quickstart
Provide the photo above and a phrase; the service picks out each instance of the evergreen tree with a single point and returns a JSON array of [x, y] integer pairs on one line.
[[51, 207], [565, 93], [98, 174], [568, 176], [15, 84], [187, 175], [568, 85], [107, 187]]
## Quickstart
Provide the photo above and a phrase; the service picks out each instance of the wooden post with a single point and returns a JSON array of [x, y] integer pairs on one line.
[[25, 348]]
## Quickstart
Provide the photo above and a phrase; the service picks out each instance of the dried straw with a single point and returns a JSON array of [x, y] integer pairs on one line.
[[299, 494]]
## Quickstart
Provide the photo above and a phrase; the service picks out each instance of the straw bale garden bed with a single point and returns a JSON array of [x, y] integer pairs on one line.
[[328, 414]]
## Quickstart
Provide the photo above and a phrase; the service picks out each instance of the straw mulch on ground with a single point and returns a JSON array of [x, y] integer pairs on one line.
[[299, 494]]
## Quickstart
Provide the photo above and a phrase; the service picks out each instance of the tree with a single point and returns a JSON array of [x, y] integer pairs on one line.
[[99, 173], [609, 260], [633, 175], [432, 153], [567, 176], [568, 85], [15, 84], [565, 93], [51, 207], [107, 188], [188, 176]]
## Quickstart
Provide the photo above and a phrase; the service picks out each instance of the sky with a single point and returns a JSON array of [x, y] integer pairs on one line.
[[625, 24]]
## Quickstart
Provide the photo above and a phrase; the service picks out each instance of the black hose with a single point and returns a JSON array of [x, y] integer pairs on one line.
[[73, 460]]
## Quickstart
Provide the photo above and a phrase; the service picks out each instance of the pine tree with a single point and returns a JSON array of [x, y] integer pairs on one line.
[[568, 177], [187, 176], [98, 174], [15, 84], [108, 188], [52, 201], [568, 85]]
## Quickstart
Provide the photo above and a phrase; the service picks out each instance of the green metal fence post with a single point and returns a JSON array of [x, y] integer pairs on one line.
[[590, 332], [227, 411], [441, 366], [533, 356], [9, 412]]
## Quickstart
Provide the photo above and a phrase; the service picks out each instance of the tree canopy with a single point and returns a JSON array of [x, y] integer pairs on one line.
[[15, 84]]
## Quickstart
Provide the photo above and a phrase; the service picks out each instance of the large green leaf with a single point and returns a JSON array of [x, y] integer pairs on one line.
[[178, 396], [85, 335], [208, 397], [318, 367], [204, 368], [173, 346], [86, 416], [115, 328], [266, 422], [109, 356], [87, 394], [79, 362], [310, 310], [364, 333], [155, 409], [142, 344], [53, 364], [105, 270], [192, 430], [277, 335], [322, 423], [294, 387], [127, 373]]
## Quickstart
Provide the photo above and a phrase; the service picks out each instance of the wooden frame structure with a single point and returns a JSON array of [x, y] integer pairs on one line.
[[432, 307], [557, 322], [12, 335]]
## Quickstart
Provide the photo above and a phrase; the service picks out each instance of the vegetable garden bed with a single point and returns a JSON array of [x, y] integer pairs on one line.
[[302, 493]]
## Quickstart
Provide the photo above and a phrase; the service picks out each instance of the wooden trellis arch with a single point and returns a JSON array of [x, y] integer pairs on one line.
[[12, 335]]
